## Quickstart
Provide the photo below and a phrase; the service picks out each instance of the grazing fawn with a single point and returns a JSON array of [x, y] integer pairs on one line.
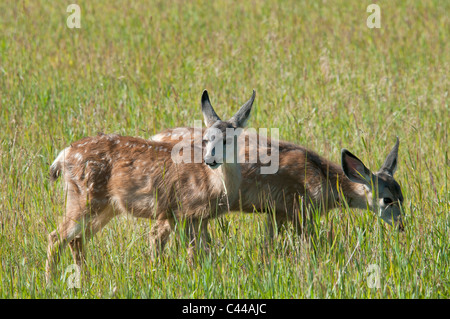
[[108, 175], [306, 181]]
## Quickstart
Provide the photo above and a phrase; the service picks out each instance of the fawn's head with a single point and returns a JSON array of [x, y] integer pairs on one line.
[[383, 192], [220, 137]]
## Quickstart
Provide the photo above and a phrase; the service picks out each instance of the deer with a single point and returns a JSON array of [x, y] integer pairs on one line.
[[307, 182], [108, 175]]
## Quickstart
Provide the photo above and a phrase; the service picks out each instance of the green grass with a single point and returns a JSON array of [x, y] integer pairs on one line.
[[321, 76]]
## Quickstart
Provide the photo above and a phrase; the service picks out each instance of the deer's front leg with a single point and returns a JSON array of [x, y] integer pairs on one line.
[[159, 234], [205, 235], [274, 224]]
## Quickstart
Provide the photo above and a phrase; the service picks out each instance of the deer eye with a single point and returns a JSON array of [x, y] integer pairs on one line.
[[387, 201]]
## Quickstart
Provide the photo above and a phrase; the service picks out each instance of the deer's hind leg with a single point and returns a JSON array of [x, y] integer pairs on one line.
[[92, 226], [67, 230], [82, 217], [274, 226]]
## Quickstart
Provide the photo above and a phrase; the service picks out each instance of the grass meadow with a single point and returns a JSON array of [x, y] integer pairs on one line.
[[322, 77]]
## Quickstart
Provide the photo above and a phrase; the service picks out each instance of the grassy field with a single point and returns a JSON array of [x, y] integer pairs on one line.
[[322, 77]]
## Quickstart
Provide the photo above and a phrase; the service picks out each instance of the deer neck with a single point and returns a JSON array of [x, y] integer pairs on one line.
[[228, 180], [339, 188], [356, 195]]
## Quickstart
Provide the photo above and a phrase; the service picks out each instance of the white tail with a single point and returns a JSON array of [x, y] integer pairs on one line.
[[108, 175], [307, 181]]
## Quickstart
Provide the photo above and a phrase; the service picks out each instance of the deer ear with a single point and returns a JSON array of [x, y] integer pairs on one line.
[[354, 169], [241, 117], [209, 115], [390, 164]]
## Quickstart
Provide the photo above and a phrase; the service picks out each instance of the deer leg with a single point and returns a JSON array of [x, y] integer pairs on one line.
[[81, 219], [299, 220], [205, 235], [192, 238], [58, 240], [77, 245], [159, 234], [196, 231], [274, 226], [77, 248]]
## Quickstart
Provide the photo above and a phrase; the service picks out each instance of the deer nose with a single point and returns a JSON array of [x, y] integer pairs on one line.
[[209, 160], [212, 164]]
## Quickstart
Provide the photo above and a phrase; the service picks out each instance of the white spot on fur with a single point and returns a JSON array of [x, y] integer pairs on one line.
[[78, 156], [158, 137]]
